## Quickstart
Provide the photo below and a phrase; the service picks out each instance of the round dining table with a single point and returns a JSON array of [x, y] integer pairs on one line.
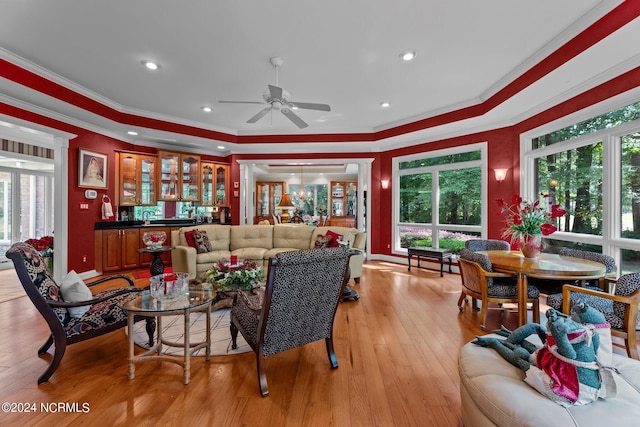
[[547, 266]]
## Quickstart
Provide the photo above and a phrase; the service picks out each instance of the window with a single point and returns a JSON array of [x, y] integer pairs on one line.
[[313, 201], [591, 169], [440, 198]]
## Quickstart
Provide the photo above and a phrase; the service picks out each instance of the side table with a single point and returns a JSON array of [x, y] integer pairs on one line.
[[148, 306], [157, 266]]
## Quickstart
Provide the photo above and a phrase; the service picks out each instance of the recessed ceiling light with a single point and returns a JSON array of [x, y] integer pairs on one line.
[[221, 147], [150, 65], [385, 104], [207, 109], [132, 132], [407, 55]]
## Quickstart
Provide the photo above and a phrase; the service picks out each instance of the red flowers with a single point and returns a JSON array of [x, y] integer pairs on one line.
[[524, 218]]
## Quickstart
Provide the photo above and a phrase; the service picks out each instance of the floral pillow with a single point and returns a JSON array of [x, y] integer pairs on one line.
[[322, 242], [201, 241], [335, 239]]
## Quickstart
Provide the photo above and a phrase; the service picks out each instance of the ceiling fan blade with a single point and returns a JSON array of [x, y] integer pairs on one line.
[[294, 118], [259, 115], [276, 92], [311, 106], [240, 102]]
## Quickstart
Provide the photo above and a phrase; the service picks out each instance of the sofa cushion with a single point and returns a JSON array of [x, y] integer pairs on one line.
[[219, 236], [291, 236], [188, 235], [251, 236], [73, 289], [348, 235], [494, 391]]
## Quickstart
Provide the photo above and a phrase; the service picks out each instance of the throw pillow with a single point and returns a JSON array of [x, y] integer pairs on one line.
[[202, 241], [335, 237], [73, 289], [322, 242], [188, 235]]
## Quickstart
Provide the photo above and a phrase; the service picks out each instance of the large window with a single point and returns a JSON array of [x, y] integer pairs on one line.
[[439, 201], [591, 169]]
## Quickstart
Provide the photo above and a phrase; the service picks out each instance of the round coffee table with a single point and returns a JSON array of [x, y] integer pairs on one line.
[[147, 306]]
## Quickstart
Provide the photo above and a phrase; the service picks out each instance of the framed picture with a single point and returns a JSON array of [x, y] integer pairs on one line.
[[92, 169]]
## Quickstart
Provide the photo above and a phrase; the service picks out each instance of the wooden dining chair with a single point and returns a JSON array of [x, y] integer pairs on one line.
[[491, 287]]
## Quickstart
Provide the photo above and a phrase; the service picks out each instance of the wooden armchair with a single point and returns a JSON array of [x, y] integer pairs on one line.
[[104, 315], [298, 305], [620, 309], [483, 285]]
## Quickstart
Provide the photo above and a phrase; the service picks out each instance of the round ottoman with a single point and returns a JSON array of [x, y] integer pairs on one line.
[[493, 393]]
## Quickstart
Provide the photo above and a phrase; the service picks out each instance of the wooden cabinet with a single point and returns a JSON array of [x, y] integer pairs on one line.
[[268, 196], [120, 249], [344, 197], [215, 184], [179, 177], [137, 176]]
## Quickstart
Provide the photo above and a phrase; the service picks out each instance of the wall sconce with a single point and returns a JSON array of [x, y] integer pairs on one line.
[[384, 183], [501, 174]]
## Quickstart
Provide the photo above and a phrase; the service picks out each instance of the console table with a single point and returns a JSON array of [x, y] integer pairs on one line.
[[433, 253]]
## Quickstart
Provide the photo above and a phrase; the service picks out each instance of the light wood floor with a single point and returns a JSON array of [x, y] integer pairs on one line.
[[397, 348]]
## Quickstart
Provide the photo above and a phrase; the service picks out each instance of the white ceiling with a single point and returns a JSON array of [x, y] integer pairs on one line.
[[345, 54]]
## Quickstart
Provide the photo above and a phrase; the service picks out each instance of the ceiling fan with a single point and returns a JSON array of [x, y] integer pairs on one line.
[[280, 100]]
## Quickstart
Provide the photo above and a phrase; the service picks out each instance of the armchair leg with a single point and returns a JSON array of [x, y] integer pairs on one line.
[[262, 374], [151, 329], [42, 350], [60, 347], [632, 345], [333, 360], [234, 335]]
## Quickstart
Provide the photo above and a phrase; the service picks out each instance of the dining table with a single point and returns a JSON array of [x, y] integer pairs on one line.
[[546, 266]]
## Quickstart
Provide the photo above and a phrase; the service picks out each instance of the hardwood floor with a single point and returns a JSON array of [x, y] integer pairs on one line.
[[397, 348]]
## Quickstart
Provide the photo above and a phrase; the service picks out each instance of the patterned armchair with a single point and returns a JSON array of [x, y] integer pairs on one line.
[[619, 309], [104, 315], [298, 305], [480, 282], [475, 245]]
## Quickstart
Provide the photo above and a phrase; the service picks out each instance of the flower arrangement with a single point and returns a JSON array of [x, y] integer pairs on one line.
[[44, 245], [524, 219], [226, 276]]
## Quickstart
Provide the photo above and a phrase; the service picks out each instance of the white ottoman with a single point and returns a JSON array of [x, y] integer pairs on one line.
[[493, 393]]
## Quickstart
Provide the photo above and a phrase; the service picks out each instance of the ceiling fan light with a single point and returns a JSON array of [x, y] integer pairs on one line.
[[150, 65], [206, 109]]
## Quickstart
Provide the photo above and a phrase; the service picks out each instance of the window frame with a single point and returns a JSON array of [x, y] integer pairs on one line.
[[435, 225]]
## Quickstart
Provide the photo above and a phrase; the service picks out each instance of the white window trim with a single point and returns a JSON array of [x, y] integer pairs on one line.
[[437, 227]]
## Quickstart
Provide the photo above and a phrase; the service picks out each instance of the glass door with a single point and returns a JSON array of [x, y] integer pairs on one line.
[[6, 181]]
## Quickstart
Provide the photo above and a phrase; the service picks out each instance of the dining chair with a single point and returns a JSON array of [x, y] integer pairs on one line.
[[620, 309], [481, 283], [104, 313], [476, 245], [298, 305], [609, 263]]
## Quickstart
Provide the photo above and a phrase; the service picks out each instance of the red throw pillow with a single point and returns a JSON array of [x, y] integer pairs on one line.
[[334, 239], [188, 235]]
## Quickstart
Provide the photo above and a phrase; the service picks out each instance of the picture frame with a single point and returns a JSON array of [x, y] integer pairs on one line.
[[93, 169]]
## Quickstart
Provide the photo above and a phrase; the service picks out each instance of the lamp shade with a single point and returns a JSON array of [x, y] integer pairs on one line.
[[285, 202]]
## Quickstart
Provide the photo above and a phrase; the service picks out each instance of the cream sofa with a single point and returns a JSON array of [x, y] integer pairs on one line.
[[493, 393], [257, 243]]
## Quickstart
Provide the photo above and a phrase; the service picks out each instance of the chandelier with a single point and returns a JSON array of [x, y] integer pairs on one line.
[[302, 195]]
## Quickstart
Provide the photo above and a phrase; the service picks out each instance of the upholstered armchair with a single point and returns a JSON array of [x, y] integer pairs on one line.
[[103, 312], [480, 282], [298, 305], [475, 245], [620, 309]]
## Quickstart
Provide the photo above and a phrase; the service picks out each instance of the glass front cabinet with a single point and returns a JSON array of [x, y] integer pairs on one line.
[[179, 177], [137, 180], [268, 196], [215, 184], [344, 197]]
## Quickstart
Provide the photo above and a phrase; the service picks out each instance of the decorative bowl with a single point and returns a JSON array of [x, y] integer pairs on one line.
[[154, 239], [169, 286]]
